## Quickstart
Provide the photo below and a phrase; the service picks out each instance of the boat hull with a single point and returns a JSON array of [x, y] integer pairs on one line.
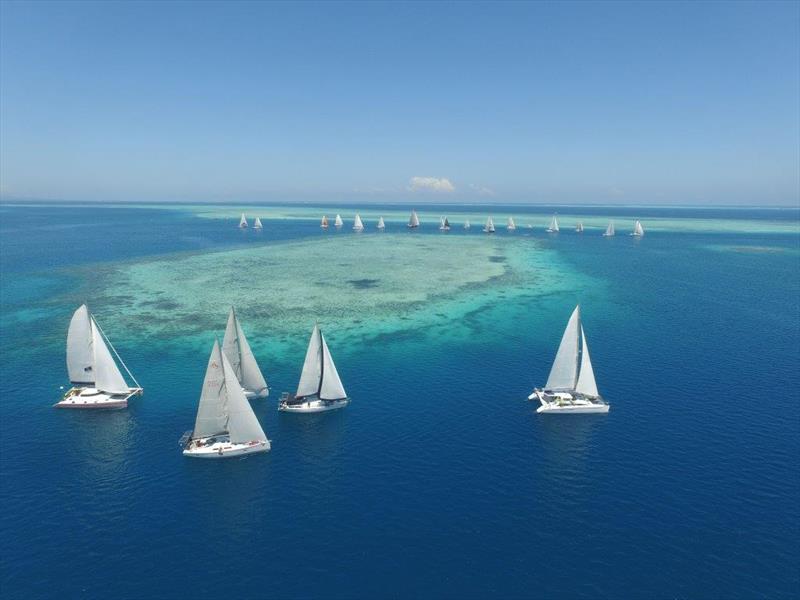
[[224, 449], [313, 406], [568, 403], [251, 395], [91, 399], [572, 409]]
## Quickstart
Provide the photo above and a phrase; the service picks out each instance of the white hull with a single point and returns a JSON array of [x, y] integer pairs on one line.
[[593, 408], [221, 447], [313, 405], [567, 403], [90, 398]]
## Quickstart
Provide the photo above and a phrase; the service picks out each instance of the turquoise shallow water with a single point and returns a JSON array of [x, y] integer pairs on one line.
[[439, 479]]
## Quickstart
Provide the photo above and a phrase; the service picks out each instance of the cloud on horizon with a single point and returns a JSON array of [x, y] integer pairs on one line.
[[430, 184]]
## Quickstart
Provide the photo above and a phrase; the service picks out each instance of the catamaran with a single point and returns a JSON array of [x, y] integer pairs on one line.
[[357, 224], [225, 426], [243, 222], [444, 224], [571, 387], [638, 230], [579, 227], [553, 227], [96, 379], [609, 230], [381, 224], [511, 226], [257, 224], [242, 360], [324, 223], [320, 388], [489, 227], [338, 221], [413, 220], [466, 224]]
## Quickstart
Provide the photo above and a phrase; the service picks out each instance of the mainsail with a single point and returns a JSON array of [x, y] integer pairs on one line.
[[241, 358], [357, 224], [381, 224], [511, 225], [257, 224], [413, 220], [638, 229], [319, 376], [80, 356], [564, 371], [553, 224], [338, 222], [243, 222]]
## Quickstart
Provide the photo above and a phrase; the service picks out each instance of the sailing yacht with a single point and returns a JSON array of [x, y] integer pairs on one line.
[[225, 426], [257, 224], [320, 388], [381, 224], [609, 230], [324, 223], [242, 360], [511, 226], [444, 224], [579, 227], [338, 221], [357, 224], [243, 222], [489, 227], [466, 224], [413, 220], [553, 227], [571, 387], [95, 377], [638, 230]]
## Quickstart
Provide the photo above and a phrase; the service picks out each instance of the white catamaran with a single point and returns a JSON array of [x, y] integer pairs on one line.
[[96, 379], [257, 224], [226, 426], [242, 360], [413, 220], [638, 230], [609, 230], [320, 388], [324, 222], [444, 224], [381, 224], [358, 225], [489, 227], [571, 387], [338, 221], [511, 226], [553, 227], [579, 227], [243, 222]]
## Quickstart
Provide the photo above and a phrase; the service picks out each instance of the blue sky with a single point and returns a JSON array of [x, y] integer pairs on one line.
[[685, 103]]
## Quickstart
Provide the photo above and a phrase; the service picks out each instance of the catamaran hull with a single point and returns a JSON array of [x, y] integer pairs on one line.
[[226, 450], [79, 399], [553, 409], [313, 406]]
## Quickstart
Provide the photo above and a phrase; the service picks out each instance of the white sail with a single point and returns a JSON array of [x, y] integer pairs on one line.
[[80, 356], [586, 383], [324, 223], [466, 224], [357, 224], [489, 227], [338, 222], [312, 367], [564, 372], [579, 227], [381, 224], [446, 223], [511, 225], [240, 356], [413, 221], [638, 229], [107, 376], [441, 222], [211, 415], [257, 224], [553, 224], [610, 229], [331, 387], [242, 424], [243, 222]]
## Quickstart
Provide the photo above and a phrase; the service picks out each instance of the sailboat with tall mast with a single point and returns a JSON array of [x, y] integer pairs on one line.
[[413, 220], [489, 227], [638, 230], [553, 227], [444, 224], [324, 223], [243, 362], [95, 377], [579, 227], [226, 425], [320, 388], [511, 226], [257, 224], [609, 230], [337, 222], [381, 224], [243, 222], [571, 386], [358, 225]]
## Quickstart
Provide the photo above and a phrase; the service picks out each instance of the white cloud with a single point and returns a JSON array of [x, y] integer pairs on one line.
[[430, 184], [481, 190]]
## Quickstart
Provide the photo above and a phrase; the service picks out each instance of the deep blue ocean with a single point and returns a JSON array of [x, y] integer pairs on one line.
[[439, 480]]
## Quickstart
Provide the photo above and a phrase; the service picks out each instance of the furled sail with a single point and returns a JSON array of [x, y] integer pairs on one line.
[[564, 371], [331, 387], [357, 224], [80, 356], [211, 414], [240, 356], [107, 376], [242, 423], [312, 367], [586, 383]]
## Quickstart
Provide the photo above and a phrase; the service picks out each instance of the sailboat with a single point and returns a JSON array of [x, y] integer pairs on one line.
[[609, 230], [338, 221], [241, 359], [579, 227], [225, 426], [324, 223], [638, 230], [444, 224], [489, 227], [257, 224], [243, 222], [511, 226], [466, 224], [413, 220], [381, 224], [357, 224], [95, 377], [571, 387], [553, 227], [320, 388]]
